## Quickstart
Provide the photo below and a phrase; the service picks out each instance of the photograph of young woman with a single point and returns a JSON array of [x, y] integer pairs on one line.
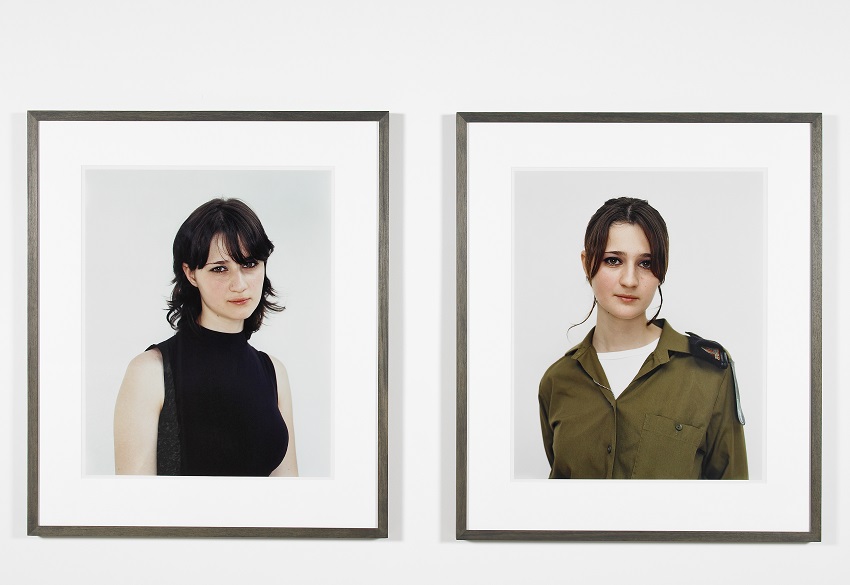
[[205, 402], [636, 398]]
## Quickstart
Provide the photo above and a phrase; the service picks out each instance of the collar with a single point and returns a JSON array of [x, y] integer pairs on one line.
[[670, 342]]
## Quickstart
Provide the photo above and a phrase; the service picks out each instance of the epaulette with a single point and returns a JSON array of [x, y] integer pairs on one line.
[[713, 353], [708, 350]]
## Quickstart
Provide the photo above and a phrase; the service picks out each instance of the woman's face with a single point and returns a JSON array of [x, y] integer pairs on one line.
[[624, 285], [230, 291]]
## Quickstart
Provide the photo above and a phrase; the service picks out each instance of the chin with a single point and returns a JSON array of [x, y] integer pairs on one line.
[[628, 316], [246, 314], [240, 315]]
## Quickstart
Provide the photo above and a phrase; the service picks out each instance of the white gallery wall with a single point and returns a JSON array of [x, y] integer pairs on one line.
[[422, 61]]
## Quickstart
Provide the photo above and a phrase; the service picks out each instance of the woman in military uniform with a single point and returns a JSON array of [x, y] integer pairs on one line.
[[637, 399]]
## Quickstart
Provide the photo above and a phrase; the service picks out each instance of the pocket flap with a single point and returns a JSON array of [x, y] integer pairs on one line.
[[674, 429]]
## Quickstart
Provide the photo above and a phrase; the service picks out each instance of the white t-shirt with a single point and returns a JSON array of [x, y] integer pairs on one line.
[[621, 367]]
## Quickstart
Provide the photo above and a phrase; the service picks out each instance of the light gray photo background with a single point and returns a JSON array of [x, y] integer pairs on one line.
[[714, 285], [131, 216]]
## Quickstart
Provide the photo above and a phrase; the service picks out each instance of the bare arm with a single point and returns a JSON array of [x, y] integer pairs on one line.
[[137, 411], [289, 465]]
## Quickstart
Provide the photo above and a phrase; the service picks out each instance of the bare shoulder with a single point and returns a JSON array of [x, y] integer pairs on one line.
[[278, 365], [146, 364], [147, 360], [144, 377], [136, 417], [282, 376]]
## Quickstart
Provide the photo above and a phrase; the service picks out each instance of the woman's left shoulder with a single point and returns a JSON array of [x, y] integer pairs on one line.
[[715, 361], [708, 350], [269, 358], [280, 371], [278, 365]]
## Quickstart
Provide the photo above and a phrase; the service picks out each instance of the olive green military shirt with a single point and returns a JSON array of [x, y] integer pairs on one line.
[[676, 420]]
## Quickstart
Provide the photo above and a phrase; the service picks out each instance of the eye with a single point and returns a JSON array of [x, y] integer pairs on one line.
[[611, 261], [218, 268], [646, 264], [250, 264]]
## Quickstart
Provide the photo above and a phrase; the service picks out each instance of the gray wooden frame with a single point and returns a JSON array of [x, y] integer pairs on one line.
[[34, 528], [814, 121]]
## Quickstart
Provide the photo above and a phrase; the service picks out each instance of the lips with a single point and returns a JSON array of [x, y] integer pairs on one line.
[[626, 298], [239, 301]]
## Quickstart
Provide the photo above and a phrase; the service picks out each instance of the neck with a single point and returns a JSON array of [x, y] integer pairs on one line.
[[221, 325], [619, 335]]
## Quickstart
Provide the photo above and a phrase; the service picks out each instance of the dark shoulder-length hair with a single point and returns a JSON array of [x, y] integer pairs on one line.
[[242, 237], [631, 211]]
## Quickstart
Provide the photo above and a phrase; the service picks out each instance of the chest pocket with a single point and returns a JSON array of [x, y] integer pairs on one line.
[[669, 449]]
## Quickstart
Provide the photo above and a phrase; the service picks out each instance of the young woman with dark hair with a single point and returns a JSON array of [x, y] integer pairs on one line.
[[636, 399], [205, 402]]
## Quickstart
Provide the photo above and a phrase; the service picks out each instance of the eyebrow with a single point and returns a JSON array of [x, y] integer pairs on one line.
[[223, 262], [618, 253]]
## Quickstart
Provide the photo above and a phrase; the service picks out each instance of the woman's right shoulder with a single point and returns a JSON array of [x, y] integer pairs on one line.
[[556, 370], [143, 382], [147, 366]]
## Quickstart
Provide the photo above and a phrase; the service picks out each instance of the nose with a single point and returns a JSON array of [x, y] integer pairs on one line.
[[237, 282], [628, 276]]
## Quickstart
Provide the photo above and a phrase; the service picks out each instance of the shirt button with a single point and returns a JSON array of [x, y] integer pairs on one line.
[[609, 448], [678, 426]]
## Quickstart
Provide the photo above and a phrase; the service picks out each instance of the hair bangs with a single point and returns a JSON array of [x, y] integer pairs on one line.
[[237, 237]]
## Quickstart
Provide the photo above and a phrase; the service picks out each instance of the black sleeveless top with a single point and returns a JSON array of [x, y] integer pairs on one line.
[[220, 414]]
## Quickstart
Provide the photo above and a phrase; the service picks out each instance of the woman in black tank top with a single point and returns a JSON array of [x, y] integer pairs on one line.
[[205, 402]]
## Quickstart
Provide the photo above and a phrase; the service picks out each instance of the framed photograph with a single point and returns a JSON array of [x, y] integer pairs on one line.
[[204, 287], [573, 365]]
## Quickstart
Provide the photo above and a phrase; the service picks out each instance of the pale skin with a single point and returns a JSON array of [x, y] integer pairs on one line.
[[229, 294], [624, 287]]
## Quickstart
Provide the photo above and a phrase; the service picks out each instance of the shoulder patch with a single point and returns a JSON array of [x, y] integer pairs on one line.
[[713, 352], [708, 350]]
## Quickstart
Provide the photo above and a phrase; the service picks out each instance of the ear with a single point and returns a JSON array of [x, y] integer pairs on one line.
[[583, 265], [190, 275]]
